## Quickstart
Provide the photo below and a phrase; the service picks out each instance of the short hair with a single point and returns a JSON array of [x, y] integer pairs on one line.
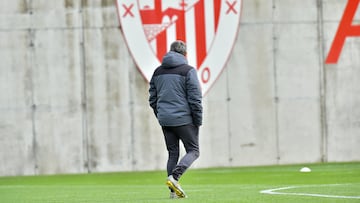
[[179, 47]]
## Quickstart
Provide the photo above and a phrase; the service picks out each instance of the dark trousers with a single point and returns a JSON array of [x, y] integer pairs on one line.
[[189, 136]]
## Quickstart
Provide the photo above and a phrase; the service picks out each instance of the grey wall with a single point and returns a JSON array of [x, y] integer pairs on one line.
[[73, 101]]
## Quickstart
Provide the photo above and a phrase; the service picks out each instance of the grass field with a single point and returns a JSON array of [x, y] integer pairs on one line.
[[325, 183]]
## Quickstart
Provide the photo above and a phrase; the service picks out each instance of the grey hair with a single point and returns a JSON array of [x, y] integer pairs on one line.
[[179, 47]]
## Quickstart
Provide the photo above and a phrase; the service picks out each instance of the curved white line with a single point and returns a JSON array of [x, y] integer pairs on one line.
[[274, 192]]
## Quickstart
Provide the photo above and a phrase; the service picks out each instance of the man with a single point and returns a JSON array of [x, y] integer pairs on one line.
[[175, 97]]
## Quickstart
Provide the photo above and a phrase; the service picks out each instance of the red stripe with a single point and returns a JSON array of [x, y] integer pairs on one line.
[[180, 27], [217, 7], [161, 45], [200, 32]]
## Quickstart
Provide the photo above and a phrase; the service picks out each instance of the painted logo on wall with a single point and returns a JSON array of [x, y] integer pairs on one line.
[[209, 29], [346, 29]]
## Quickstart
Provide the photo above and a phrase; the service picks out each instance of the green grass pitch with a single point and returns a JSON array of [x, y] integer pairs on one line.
[[331, 182]]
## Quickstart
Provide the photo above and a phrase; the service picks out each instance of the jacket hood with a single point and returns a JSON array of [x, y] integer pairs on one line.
[[173, 59]]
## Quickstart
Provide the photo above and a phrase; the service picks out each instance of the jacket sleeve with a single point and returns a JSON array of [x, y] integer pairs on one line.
[[194, 97], [153, 96]]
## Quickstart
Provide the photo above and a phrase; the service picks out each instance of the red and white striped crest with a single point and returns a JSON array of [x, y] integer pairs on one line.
[[209, 29]]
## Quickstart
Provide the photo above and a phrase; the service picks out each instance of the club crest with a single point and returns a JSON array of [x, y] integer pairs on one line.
[[209, 29]]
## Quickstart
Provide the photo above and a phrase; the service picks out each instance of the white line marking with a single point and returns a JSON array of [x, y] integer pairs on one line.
[[274, 192]]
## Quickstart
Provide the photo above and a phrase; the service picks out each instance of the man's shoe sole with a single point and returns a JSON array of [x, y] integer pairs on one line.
[[178, 192]]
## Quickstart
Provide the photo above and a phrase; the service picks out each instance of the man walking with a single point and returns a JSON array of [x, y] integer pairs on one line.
[[175, 97]]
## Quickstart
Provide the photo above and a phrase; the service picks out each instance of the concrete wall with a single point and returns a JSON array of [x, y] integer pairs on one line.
[[73, 101]]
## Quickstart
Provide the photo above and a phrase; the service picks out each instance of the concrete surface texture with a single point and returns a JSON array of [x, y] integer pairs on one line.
[[73, 101]]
